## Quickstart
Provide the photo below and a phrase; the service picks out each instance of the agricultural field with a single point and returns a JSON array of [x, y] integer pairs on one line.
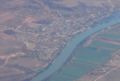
[[92, 55], [34, 33]]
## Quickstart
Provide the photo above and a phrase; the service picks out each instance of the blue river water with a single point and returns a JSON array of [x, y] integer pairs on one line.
[[71, 45]]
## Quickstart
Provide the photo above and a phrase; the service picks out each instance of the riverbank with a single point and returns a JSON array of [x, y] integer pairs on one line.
[[67, 51]]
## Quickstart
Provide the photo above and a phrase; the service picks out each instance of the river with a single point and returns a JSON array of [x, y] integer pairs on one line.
[[71, 45]]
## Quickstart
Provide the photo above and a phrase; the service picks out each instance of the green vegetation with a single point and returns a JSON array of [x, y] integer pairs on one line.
[[88, 58], [99, 44]]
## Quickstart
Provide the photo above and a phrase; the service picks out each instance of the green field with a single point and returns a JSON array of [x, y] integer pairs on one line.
[[86, 59]]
